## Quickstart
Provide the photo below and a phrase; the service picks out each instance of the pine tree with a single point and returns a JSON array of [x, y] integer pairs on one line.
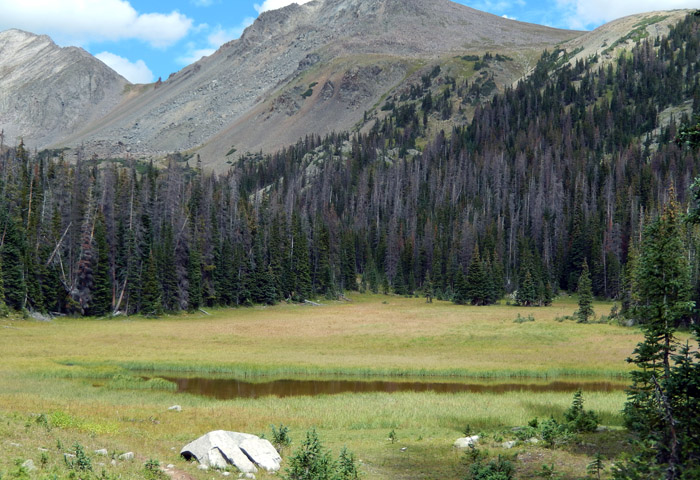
[[3, 305], [527, 291], [101, 302], [652, 410], [479, 289], [300, 261], [194, 276], [151, 296], [13, 269], [585, 295], [461, 292]]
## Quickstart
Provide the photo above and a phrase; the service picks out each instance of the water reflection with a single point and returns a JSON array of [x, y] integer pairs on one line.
[[232, 388]]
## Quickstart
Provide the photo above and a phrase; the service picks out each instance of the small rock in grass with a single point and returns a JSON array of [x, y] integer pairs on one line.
[[126, 456], [113, 463], [466, 442], [17, 445], [28, 465], [42, 449], [509, 444], [102, 451], [250, 476], [170, 466], [175, 408], [225, 474], [534, 440], [202, 467], [68, 455]]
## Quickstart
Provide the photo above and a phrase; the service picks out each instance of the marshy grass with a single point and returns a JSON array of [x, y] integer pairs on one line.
[[85, 376]]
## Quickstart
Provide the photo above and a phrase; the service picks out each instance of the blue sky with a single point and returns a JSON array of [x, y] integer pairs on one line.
[[147, 39]]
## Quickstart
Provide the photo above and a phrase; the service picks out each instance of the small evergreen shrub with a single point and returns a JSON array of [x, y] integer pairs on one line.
[[496, 469], [580, 420], [280, 437]]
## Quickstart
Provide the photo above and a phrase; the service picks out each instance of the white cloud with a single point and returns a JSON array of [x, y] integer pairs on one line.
[[194, 54], [136, 72], [85, 21], [217, 37], [275, 4], [587, 13]]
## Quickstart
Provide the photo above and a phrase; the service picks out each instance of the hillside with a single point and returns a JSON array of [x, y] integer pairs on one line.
[[355, 50], [48, 92]]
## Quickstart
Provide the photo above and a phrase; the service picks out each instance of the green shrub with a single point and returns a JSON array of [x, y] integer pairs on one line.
[[152, 471], [280, 437], [496, 469], [313, 462], [580, 420]]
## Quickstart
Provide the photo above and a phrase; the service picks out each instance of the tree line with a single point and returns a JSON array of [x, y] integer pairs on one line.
[[566, 168]]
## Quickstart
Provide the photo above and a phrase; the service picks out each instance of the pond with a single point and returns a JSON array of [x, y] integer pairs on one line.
[[224, 388]]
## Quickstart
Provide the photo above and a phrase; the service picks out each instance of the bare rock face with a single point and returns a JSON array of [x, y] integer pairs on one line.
[[48, 92], [250, 92]]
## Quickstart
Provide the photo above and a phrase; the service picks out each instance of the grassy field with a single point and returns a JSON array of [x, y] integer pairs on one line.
[[76, 372]]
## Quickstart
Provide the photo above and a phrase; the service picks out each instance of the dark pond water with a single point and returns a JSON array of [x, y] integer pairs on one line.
[[232, 388]]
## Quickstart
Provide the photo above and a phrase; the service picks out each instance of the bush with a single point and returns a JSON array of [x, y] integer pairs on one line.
[[580, 420], [280, 437], [152, 471], [496, 469], [313, 462]]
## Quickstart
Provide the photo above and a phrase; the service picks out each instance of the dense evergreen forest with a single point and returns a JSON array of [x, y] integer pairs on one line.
[[566, 167]]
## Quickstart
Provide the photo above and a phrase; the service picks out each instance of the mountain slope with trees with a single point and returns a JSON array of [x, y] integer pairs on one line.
[[564, 168]]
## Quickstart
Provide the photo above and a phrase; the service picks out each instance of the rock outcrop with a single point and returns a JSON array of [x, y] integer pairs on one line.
[[220, 448], [47, 92]]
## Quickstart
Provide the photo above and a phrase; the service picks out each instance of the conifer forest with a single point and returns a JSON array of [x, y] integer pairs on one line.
[[565, 169]]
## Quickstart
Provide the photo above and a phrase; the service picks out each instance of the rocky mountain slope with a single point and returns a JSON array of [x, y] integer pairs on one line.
[[251, 93], [48, 92], [325, 66]]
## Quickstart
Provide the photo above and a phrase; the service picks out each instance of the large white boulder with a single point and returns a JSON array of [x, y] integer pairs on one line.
[[262, 452], [466, 442], [220, 448]]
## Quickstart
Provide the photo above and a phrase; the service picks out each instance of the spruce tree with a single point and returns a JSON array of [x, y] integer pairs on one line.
[[585, 295], [479, 290], [101, 301], [3, 305], [194, 276], [659, 400], [151, 296], [527, 291], [13, 268]]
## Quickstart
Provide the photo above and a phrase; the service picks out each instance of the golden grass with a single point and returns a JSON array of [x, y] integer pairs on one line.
[[64, 369], [401, 336]]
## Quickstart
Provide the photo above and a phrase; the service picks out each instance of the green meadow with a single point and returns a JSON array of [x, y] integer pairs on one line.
[[95, 383]]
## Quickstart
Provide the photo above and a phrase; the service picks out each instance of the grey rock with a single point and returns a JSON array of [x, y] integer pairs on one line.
[[262, 452], [218, 449], [534, 440], [126, 456], [466, 442], [175, 408], [113, 463], [202, 467], [509, 444], [170, 466], [28, 465], [102, 451]]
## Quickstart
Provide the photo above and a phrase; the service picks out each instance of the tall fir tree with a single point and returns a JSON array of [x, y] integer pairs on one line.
[[13, 269], [151, 294], [101, 301], [585, 295], [652, 411], [479, 289]]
